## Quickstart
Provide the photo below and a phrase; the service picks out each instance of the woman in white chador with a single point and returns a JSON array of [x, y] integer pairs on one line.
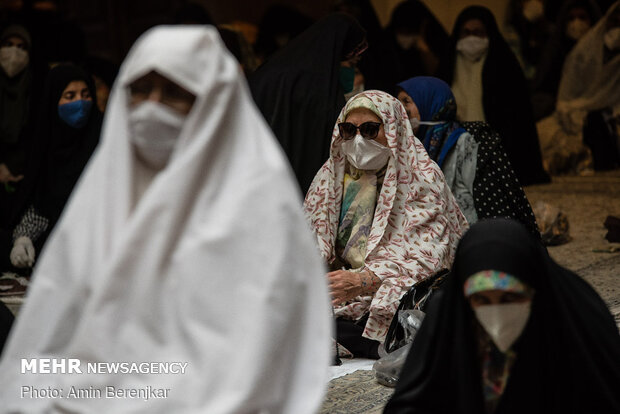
[[184, 241], [584, 130]]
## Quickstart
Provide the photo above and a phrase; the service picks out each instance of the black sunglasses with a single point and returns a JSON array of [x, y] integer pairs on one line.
[[368, 130]]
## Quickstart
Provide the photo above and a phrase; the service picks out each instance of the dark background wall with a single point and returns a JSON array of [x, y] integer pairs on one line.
[[111, 26]]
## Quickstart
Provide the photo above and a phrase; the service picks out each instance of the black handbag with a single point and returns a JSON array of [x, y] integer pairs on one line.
[[416, 298]]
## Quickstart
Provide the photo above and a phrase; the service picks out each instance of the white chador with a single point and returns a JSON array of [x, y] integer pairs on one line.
[[212, 267]]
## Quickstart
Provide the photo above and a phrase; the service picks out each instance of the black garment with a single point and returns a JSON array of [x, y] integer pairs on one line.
[[568, 356], [14, 111], [601, 135], [413, 17], [497, 192], [6, 322], [15, 118], [505, 97], [59, 152], [192, 13], [532, 35], [549, 72], [280, 24], [379, 64], [299, 93], [349, 335]]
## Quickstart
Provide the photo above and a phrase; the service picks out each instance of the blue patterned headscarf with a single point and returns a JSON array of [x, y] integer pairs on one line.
[[435, 102]]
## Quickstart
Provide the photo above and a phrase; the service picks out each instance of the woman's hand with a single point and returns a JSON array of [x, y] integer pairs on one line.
[[344, 286]]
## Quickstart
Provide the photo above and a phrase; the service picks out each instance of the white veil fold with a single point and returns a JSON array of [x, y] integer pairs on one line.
[[214, 266]]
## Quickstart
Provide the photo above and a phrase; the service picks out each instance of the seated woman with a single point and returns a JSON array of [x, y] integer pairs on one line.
[[574, 20], [489, 86], [184, 242], [475, 165], [383, 216], [511, 331], [18, 87], [66, 133], [583, 132]]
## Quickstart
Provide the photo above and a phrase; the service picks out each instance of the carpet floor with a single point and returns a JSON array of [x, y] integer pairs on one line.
[[586, 201]]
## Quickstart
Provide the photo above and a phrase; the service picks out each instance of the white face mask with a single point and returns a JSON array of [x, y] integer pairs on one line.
[[154, 129], [612, 39], [504, 323], [577, 28], [13, 60], [406, 41], [533, 10], [473, 47], [415, 123], [366, 154]]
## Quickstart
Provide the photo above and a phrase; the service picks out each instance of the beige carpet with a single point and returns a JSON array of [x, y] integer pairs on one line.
[[587, 201]]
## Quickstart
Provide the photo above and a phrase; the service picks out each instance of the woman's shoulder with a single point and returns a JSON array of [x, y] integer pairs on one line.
[[481, 131]]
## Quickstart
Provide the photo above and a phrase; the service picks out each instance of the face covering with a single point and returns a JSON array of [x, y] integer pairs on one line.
[[347, 78], [366, 154], [473, 47], [612, 39], [415, 123], [13, 60], [533, 10], [154, 129], [576, 28], [76, 113], [504, 323], [405, 41]]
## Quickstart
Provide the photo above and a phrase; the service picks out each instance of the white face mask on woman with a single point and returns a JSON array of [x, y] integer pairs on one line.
[[366, 154], [473, 47], [504, 322], [612, 39], [154, 129], [13, 60]]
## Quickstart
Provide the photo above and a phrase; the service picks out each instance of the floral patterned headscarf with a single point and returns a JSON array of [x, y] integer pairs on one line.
[[416, 224]]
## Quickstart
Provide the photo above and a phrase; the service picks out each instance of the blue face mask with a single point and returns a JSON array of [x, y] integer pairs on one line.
[[347, 78], [75, 114]]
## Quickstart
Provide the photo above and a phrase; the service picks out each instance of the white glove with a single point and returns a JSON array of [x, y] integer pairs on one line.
[[22, 254]]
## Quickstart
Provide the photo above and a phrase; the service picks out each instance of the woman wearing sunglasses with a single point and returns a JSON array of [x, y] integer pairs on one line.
[[383, 215]]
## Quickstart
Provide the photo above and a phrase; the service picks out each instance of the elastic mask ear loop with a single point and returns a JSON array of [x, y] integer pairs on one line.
[[415, 122], [431, 122]]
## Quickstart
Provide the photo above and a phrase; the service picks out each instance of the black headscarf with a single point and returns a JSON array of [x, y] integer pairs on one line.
[[505, 97], [379, 63], [278, 26], [414, 16], [549, 70], [532, 34], [14, 107], [59, 152], [568, 356], [299, 93]]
